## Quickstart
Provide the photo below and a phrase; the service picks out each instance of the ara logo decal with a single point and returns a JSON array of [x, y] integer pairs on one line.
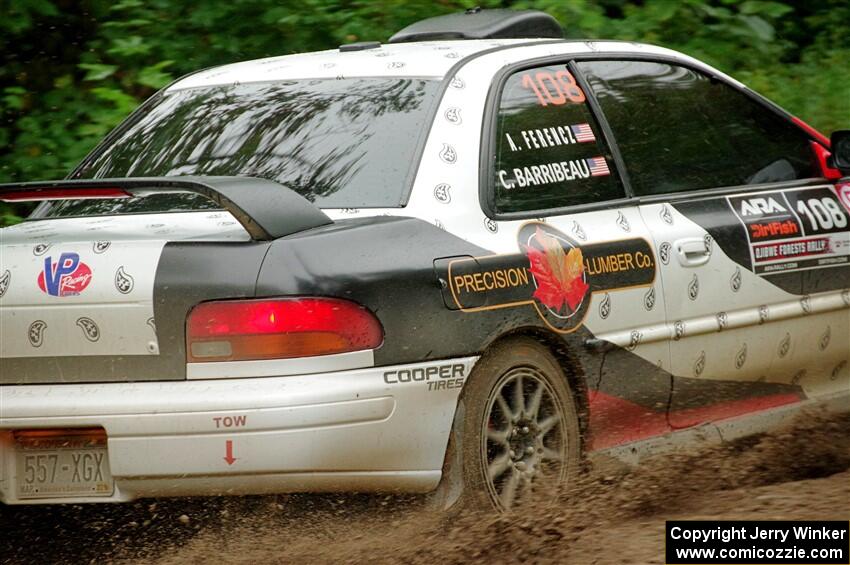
[[553, 273], [761, 207], [67, 276]]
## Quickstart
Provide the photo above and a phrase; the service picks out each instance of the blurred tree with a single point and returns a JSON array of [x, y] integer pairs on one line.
[[72, 69]]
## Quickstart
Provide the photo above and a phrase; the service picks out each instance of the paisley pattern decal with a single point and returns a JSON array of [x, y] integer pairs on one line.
[[784, 346], [664, 252], [452, 116], [741, 357], [693, 288], [722, 321], [735, 281], [823, 342], [35, 333], [41, 248], [605, 306], [623, 222], [649, 299], [678, 330], [578, 231], [5, 279], [442, 193], [89, 327], [123, 281], [448, 154], [699, 364]]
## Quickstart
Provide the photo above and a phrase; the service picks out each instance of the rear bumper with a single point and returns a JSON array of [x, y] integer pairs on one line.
[[359, 430]]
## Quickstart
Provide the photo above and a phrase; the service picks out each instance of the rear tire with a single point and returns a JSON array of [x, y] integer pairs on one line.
[[515, 432]]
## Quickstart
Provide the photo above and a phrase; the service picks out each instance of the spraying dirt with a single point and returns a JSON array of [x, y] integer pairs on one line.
[[802, 472]]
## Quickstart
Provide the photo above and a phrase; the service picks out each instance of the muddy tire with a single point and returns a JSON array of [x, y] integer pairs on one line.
[[515, 432]]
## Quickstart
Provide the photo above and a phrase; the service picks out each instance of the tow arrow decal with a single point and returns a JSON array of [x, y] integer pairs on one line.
[[228, 457]]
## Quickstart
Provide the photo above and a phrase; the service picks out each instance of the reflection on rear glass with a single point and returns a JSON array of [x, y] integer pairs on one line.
[[339, 143]]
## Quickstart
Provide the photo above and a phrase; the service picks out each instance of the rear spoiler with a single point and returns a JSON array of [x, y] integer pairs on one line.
[[267, 210]]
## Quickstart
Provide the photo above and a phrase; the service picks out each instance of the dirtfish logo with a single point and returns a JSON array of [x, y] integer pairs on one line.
[[68, 276]]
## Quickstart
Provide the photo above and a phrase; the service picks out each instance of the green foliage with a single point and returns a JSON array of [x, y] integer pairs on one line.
[[72, 69]]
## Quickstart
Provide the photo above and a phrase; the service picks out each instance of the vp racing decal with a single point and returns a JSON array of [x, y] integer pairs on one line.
[[553, 273], [66, 276], [794, 229]]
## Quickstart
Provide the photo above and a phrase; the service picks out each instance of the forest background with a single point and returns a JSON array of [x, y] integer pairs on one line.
[[73, 69]]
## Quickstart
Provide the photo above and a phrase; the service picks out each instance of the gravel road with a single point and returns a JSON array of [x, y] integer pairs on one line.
[[802, 472]]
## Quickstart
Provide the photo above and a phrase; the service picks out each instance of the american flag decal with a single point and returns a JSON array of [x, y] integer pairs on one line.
[[583, 133], [598, 166]]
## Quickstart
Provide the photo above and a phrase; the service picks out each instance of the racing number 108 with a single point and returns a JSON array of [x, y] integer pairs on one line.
[[555, 89], [823, 213]]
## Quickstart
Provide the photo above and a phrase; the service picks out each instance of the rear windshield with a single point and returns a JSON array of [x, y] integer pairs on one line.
[[345, 143]]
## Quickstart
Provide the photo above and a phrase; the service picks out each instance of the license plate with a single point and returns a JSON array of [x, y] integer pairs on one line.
[[62, 464]]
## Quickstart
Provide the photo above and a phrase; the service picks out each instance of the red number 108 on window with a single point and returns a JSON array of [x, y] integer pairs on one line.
[[555, 89]]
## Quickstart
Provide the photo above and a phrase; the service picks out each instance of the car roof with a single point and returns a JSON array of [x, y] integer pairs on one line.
[[427, 59]]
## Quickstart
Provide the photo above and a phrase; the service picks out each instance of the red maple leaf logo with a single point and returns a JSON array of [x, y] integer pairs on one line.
[[559, 276]]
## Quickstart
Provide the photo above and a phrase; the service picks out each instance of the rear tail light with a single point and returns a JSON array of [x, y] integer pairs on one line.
[[243, 330]]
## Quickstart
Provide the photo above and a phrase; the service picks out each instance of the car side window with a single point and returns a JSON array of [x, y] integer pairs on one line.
[[549, 151], [679, 130]]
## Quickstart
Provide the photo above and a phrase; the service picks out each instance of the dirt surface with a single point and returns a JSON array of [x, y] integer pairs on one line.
[[802, 472]]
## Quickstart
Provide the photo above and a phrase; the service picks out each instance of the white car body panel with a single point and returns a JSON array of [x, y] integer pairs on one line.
[[337, 431]]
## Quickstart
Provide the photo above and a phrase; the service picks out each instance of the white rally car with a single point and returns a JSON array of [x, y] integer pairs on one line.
[[459, 262]]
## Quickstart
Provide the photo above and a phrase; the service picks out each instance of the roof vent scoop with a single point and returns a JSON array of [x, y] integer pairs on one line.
[[482, 24]]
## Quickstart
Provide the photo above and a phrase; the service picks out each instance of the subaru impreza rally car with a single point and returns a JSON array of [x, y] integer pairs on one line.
[[462, 262]]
